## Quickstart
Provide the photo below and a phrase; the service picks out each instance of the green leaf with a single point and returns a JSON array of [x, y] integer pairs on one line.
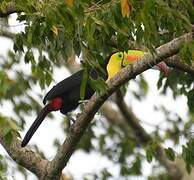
[[170, 154], [187, 52], [98, 21], [18, 43], [3, 168], [149, 155], [124, 170], [135, 169], [48, 78], [151, 151], [106, 174], [98, 85], [29, 57], [77, 46], [8, 138], [188, 154], [84, 84], [190, 98]]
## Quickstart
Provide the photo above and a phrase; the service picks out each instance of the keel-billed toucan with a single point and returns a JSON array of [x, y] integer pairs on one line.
[[65, 96]]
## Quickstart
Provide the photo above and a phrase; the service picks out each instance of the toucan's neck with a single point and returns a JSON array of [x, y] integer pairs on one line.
[[113, 67]]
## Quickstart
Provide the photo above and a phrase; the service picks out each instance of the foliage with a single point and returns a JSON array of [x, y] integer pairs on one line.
[[3, 168], [170, 154], [92, 30], [8, 127], [188, 154]]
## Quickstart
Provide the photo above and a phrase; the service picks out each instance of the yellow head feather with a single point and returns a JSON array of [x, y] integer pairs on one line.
[[115, 64]]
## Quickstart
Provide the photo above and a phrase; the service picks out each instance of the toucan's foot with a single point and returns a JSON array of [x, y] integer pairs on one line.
[[83, 101], [70, 119]]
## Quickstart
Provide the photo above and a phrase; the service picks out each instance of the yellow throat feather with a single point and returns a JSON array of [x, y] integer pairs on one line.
[[121, 59]]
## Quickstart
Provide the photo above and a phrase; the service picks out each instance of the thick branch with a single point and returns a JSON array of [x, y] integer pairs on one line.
[[10, 9], [144, 138], [24, 156], [7, 34], [83, 120]]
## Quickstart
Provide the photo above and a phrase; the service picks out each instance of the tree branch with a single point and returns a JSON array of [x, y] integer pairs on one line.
[[177, 63], [144, 138], [9, 9], [24, 156], [7, 34], [78, 128]]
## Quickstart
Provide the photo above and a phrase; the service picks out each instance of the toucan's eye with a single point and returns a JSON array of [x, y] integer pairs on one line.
[[120, 55]]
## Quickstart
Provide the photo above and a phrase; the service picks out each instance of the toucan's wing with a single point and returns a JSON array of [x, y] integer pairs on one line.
[[73, 81]]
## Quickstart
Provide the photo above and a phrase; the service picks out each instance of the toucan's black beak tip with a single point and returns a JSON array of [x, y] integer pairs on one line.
[[163, 67], [23, 144]]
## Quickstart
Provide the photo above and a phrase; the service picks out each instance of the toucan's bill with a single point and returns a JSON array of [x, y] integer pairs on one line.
[[133, 55]]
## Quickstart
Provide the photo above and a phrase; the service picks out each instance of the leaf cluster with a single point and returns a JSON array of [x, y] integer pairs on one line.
[[90, 26], [93, 30]]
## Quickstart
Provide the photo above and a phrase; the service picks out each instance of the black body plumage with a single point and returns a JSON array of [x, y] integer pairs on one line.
[[68, 90]]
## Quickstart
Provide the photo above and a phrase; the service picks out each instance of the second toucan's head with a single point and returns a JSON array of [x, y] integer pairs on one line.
[[121, 59]]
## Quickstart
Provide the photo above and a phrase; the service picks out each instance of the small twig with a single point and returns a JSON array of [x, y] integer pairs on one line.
[[97, 6], [177, 63]]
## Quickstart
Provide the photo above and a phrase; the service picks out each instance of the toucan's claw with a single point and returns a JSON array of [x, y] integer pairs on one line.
[[71, 119]]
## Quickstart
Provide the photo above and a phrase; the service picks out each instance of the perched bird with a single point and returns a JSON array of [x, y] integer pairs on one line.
[[65, 96]]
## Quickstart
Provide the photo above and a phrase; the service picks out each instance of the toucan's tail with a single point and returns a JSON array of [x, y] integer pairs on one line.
[[35, 125]]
